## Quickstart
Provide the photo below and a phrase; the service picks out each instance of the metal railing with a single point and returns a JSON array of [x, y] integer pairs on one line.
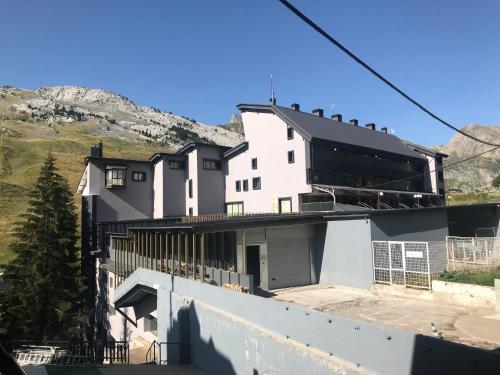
[[154, 353], [472, 252], [74, 352]]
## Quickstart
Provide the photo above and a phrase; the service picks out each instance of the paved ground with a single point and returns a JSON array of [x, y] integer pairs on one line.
[[458, 323]]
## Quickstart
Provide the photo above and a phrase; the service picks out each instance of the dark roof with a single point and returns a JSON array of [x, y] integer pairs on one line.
[[114, 160], [424, 150], [313, 127], [159, 155], [194, 145], [236, 150]]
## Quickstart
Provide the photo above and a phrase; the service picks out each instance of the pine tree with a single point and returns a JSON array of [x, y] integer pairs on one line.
[[43, 294]]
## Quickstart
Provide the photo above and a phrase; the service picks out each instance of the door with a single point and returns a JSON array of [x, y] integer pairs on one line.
[[253, 263]]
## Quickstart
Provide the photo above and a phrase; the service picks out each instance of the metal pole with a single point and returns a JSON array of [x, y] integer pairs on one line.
[[167, 251], [156, 251], [428, 266], [161, 252], [113, 243]]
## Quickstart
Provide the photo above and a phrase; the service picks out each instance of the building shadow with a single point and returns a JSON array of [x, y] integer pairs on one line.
[[435, 356]]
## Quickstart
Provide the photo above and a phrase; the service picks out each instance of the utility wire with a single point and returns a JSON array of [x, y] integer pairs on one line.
[[308, 21], [429, 172]]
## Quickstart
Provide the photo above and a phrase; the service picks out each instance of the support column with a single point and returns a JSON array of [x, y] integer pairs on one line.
[[126, 243], [151, 249], [167, 251], [156, 251], [194, 256], [223, 250], [135, 250], [172, 256], [161, 252], [186, 259], [244, 250], [179, 254], [202, 258], [116, 260]]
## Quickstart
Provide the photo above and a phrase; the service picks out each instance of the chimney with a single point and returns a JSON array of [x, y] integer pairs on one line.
[[353, 121], [296, 106], [272, 100], [384, 129], [96, 150], [337, 117], [371, 126], [318, 112]]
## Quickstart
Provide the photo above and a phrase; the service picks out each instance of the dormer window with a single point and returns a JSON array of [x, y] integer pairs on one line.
[[116, 176]]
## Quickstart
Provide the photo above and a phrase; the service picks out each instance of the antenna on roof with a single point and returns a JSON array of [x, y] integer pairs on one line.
[[273, 98]]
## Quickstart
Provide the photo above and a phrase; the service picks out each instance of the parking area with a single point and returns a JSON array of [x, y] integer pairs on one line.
[[464, 324]]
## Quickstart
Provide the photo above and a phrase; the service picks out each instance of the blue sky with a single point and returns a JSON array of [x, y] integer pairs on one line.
[[201, 58]]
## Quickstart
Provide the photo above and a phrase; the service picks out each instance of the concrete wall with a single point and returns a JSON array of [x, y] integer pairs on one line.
[[267, 141], [226, 332], [284, 253], [135, 201], [158, 190], [410, 225], [192, 174], [347, 254]]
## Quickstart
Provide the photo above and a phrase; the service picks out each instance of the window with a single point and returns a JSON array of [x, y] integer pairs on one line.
[[116, 176], [254, 163], [139, 176], [176, 164], [256, 183], [190, 211], [211, 164], [291, 157], [190, 188], [238, 185], [289, 132], [234, 208], [285, 205], [245, 185]]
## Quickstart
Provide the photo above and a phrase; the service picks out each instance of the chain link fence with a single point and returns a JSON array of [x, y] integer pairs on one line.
[[415, 264]]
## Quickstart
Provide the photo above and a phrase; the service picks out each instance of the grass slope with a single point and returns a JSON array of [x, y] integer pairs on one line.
[[23, 148]]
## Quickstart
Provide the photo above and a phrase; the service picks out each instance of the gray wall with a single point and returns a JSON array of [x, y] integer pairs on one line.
[[410, 225], [135, 201], [347, 255], [225, 332], [174, 190], [211, 190]]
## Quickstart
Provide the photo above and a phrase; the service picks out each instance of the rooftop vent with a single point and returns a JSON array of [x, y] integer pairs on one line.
[[337, 117], [371, 126], [353, 121], [318, 112], [384, 129], [296, 106]]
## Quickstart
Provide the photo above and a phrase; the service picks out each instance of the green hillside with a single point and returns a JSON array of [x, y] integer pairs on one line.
[[24, 144]]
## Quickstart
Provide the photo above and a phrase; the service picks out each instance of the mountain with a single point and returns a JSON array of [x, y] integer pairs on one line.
[[476, 175], [111, 115], [66, 121]]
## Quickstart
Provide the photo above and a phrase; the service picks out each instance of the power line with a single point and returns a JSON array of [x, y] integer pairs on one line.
[[435, 170], [308, 21]]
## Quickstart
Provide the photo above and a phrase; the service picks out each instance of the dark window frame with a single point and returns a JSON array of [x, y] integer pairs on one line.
[[177, 164], [190, 211], [245, 185], [254, 180], [242, 203], [292, 160], [238, 185], [254, 163], [212, 164], [285, 199], [190, 188], [136, 173], [113, 181], [289, 132]]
